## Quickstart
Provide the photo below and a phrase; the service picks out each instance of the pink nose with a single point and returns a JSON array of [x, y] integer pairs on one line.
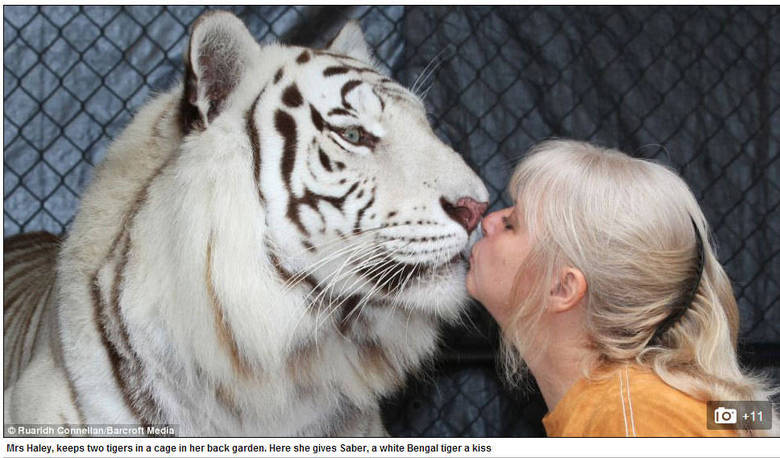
[[465, 212]]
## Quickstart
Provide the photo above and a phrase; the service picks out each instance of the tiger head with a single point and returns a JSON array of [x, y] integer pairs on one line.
[[359, 197]]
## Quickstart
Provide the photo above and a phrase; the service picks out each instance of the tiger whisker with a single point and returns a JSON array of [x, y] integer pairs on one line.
[[329, 307], [300, 276], [364, 281], [377, 287], [339, 239], [372, 266], [408, 319], [339, 275], [355, 240], [426, 91], [367, 249], [377, 284], [425, 74], [332, 307], [308, 305], [389, 259], [311, 269], [386, 259], [398, 287]]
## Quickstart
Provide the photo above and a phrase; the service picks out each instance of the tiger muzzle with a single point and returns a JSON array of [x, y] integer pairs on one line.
[[466, 211]]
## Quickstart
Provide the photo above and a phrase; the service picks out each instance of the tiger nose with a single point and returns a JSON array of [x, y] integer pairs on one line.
[[465, 212]]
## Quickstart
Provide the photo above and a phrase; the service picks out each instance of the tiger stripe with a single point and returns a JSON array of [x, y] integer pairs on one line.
[[286, 126], [221, 323], [12, 300], [292, 96], [254, 139], [227, 397], [348, 315], [113, 354], [381, 99], [346, 89], [324, 160], [345, 68], [316, 118], [58, 358], [339, 111], [346, 416], [300, 356], [284, 275], [375, 361], [29, 262], [311, 200], [356, 228], [125, 364], [300, 364], [336, 70], [112, 338], [21, 347]]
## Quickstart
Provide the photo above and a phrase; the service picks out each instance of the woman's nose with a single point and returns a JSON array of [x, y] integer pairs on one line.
[[489, 222]]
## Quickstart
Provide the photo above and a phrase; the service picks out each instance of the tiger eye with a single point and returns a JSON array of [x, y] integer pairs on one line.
[[352, 134]]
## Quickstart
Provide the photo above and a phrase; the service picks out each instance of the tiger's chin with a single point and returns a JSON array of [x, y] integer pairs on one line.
[[439, 291]]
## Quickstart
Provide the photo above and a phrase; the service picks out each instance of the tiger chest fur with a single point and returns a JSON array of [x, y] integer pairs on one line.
[[268, 249]]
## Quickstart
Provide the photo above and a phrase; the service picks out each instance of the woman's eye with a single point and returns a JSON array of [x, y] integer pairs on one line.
[[351, 134], [507, 225]]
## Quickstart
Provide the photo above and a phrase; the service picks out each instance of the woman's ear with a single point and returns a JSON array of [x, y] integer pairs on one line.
[[569, 290]]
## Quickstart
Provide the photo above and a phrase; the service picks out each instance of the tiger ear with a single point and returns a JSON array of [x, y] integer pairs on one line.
[[217, 56], [351, 42]]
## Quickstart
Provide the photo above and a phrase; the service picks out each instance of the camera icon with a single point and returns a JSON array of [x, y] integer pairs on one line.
[[724, 416]]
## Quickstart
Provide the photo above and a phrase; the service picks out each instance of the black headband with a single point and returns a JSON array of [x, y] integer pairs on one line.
[[687, 298]]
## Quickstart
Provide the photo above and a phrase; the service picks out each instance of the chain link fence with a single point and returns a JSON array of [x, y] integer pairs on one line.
[[697, 88]]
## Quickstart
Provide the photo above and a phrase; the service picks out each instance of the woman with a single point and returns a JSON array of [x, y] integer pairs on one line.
[[604, 283]]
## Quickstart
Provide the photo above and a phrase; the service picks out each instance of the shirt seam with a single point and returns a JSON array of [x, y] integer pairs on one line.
[[630, 404], [623, 402]]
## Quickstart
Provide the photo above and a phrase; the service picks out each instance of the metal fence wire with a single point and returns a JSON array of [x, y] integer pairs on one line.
[[697, 88]]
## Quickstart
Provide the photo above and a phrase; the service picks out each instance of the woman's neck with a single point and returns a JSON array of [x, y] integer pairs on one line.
[[559, 368]]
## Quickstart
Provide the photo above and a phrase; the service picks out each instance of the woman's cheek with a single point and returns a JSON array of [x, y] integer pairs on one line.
[[470, 283], [473, 274]]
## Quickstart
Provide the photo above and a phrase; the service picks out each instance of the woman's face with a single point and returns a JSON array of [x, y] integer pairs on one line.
[[495, 261]]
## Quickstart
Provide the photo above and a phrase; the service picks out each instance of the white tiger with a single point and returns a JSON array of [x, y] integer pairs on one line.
[[268, 249]]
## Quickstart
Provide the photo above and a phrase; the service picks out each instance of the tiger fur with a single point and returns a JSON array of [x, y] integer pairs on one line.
[[267, 249]]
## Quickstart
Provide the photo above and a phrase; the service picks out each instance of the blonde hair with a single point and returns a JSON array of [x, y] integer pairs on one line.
[[628, 225]]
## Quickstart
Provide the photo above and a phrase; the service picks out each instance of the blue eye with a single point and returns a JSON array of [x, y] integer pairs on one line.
[[352, 134], [356, 135]]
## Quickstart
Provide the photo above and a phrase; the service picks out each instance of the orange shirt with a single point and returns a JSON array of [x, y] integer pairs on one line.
[[628, 402]]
